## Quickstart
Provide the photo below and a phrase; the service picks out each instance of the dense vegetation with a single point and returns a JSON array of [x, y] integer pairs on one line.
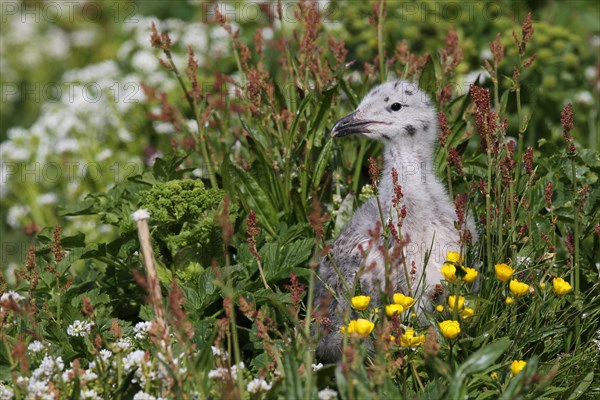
[[215, 121]]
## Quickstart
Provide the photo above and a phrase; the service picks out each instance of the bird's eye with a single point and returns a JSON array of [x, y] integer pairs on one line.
[[396, 106]]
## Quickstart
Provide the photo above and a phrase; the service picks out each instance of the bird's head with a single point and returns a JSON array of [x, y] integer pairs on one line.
[[394, 112]]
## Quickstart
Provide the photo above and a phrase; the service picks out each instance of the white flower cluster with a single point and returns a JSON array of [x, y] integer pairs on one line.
[[6, 393], [219, 353], [79, 328], [258, 385], [11, 295], [136, 360], [141, 395], [37, 385], [224, 373], [35, 347], [141, 330], [327, 394]]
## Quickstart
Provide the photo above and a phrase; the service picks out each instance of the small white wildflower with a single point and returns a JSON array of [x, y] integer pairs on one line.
[[219, 353], [317, 367], [47, 198], [140, 215], [48, 368], [35, 347], [6, 392], [327, 394], [15, 215], [11, 294], [68, 375], [590, 73], [105, 354], [134, 359], [234, 370], [522, 260], [584, 98], [257, 385], [141, 395], [486, 54], [90, 394], [37, 389], [122, 344], [103, 155], [79, 328], [141, 329], [22, 381], [219, 373], [89, 375]]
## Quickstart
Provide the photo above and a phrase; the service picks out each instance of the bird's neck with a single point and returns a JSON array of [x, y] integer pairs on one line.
[[415, 170]]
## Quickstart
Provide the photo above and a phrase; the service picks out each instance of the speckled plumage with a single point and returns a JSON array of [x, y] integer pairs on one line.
[[409, 134]]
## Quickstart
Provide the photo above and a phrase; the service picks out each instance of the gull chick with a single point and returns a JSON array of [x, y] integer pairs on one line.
[[403, 118]]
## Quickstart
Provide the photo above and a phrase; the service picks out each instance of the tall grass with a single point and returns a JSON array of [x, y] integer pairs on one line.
[[241, 321]]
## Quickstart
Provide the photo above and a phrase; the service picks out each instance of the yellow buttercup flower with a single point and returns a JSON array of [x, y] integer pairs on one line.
[[467, 313], [503, 272], [361, 302], [470, 274], [408, 339], [518, 288], [494, 375], [454, 301], [449, 272], [392, 309], [363, 327], [509, 300], [561, 287], [440, 308], [404, 301], [450, 329], [350, 328], [453, 257], [543, 285], [517, 366]]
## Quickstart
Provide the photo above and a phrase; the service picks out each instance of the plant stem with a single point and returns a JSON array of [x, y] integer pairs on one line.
[[488, 211], [575, 228], [449, 175], [382, 74], [520, 139], [576, 246], [308, 355]]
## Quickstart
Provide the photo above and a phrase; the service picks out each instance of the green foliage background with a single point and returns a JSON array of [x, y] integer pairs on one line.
[[263, 144]]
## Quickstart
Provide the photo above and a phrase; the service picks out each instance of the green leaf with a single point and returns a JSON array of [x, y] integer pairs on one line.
[[166, 168], [344, 214], [581, 387], [427, 80], [322, 162], [477, 362], [84, 207], [236, 180], [504, 102], [297, 118]]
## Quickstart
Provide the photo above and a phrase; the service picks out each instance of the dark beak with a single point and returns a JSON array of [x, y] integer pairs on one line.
[[349, 125]]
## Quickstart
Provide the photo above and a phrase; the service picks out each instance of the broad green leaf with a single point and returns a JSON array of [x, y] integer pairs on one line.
[[478, 361], [581, 387], [344, 214], [251, 194], [427, 80], [322, 162], [84, 207]]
